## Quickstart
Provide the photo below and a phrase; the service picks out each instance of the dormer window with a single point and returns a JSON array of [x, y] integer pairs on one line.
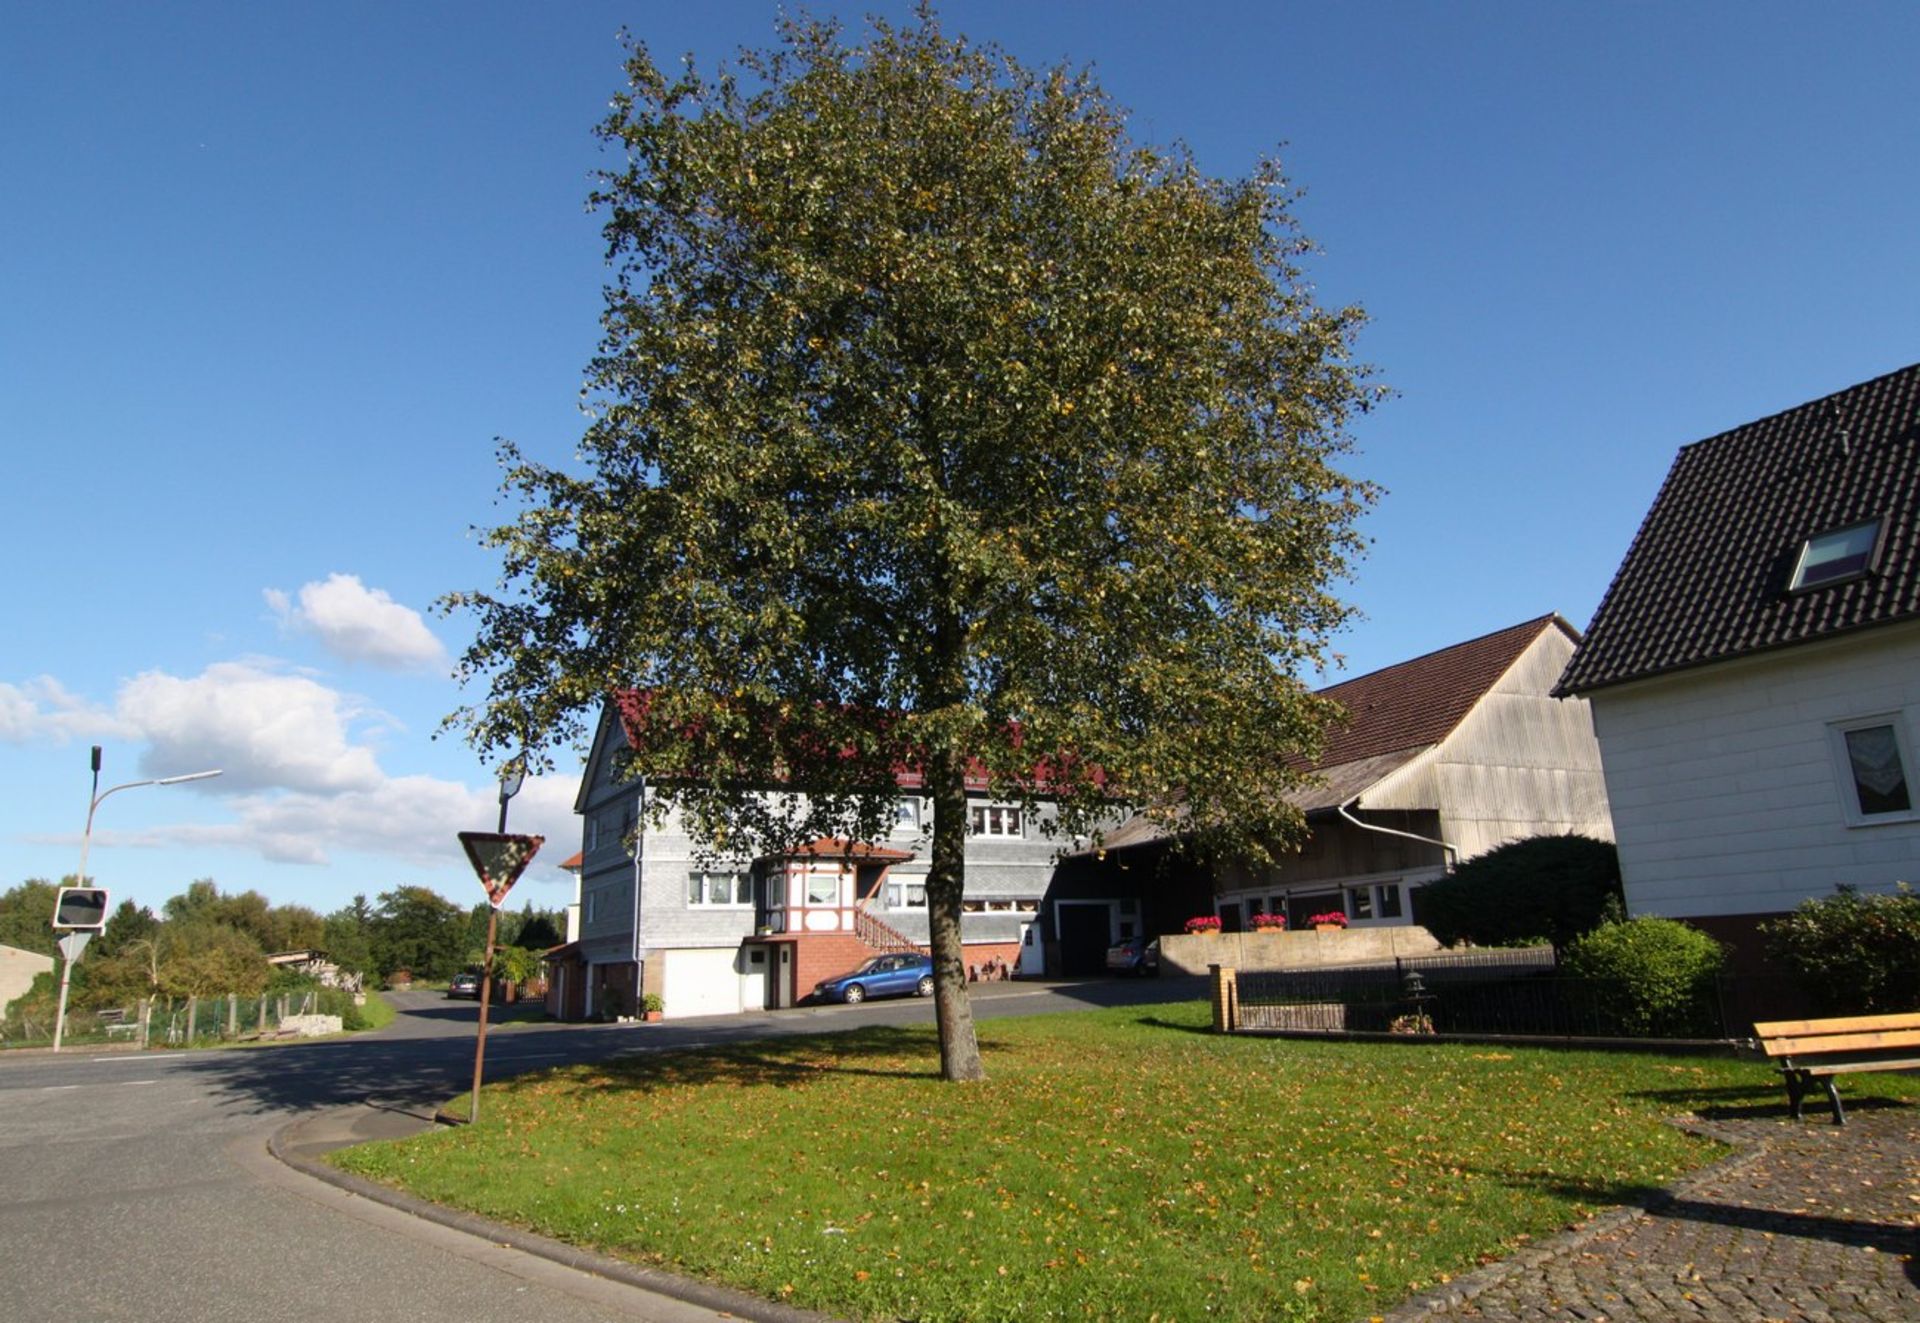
[[1841, 554]]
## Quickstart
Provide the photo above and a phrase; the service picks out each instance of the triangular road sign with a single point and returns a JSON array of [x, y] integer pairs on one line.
[[499, 860]]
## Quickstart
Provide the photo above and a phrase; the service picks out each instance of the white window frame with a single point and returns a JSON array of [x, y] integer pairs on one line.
[[983, 815], [1843, 767], [900, 893], [818, 878], [906, 816], [706, 876]]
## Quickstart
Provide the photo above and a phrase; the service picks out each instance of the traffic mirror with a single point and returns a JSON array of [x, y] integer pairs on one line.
[[82, 908]]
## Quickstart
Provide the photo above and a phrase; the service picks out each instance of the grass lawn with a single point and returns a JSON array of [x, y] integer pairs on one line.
[[378, 1013], [1119, 1164]]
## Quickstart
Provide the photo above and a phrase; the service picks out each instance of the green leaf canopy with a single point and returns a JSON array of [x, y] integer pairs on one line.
[[937, 424]]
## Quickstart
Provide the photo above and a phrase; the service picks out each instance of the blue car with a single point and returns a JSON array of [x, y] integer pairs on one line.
[[882, 976]]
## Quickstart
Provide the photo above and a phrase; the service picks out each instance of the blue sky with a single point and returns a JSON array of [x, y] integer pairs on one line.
[[276, 276]]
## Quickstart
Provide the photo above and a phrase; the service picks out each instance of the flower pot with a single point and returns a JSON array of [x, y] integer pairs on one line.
[[1326, 927], [652, 1016]]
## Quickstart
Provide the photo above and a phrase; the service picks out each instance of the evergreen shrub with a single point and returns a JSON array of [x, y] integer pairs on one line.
[[1853, 954], [1544, 889], [1649, 977]]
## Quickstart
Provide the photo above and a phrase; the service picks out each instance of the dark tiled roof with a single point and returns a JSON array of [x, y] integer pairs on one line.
[[1706, 577]]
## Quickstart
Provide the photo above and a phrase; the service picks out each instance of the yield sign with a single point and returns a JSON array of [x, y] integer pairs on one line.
[[499, 860]]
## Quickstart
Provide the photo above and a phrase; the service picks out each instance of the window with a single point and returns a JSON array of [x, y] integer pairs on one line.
[[823, 888], [732, 890], [996, 820], [1841, 554], [906, 895], [1360, 902], [1873, 764], [1388, 897], [906, 815]]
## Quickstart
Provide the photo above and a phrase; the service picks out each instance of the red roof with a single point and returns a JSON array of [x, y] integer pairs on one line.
[[840, 848], [1419, 702], [573, 861]]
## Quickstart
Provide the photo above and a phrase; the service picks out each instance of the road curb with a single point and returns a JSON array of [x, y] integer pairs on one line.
[[282, 1145], [1465, 1287]]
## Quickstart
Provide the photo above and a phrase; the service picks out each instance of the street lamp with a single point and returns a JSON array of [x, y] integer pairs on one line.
[[86, 842], [512, 777]]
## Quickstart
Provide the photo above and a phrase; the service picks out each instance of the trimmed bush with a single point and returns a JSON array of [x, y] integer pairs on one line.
[[1853, 954], [1651, 978], [338, 1001], [1547, 888]]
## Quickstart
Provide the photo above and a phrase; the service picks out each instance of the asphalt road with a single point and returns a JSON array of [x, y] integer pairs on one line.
[[137, 1186]]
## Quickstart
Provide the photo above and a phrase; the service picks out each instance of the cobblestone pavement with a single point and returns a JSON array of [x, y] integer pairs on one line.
[[1809, 1221]]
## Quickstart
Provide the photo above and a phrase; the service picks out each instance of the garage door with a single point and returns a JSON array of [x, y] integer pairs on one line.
[[1086, 930], [701, 983]]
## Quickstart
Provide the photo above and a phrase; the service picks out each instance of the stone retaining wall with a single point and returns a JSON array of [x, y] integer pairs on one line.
[[1192, 953]]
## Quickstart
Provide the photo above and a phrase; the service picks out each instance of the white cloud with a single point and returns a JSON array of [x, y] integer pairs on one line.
[[412, 819], [300, 783], [360, 624], [43, 709], [263, 727]]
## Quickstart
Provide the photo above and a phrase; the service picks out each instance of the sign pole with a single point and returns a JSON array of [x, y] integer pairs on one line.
[[71, 945], [486, 992], [498, 860]]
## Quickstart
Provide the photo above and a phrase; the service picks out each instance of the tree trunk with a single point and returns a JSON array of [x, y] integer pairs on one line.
[[233, 1015], [146, 1021], [946, 881], [193, 1017]]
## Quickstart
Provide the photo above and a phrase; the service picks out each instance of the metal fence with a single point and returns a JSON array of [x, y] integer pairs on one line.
[[176, 1022], [1506, 993]]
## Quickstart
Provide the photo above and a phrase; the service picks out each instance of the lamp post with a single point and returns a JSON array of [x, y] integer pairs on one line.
[[512, 777], [86, 842]]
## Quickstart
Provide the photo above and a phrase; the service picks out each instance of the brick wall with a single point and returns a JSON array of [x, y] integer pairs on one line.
[[826, 955], [979, 953]]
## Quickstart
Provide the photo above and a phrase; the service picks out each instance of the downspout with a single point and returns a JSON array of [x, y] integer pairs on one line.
[[639, 881], [1453, 852]]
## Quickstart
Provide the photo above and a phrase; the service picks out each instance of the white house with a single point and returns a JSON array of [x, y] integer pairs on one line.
[[1754, 669], [658, 914], [1440, 758]]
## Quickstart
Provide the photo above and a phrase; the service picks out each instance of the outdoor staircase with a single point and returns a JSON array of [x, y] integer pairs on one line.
[[882, 936]]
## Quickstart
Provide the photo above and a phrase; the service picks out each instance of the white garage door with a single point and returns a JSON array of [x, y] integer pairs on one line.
[[701, 983]]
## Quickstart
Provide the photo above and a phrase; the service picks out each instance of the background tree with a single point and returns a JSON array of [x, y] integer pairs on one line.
[[940, 424], [26, 917], [539, 930], [201, 900], [127, 924], [416, 929], [347, 937], [1543, 889]]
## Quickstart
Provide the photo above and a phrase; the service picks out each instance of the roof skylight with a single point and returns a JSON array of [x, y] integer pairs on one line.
[[1841, 554]]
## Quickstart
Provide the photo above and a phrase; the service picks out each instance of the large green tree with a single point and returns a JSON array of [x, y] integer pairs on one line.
[[419, 930], [939, 424], [26, 916]]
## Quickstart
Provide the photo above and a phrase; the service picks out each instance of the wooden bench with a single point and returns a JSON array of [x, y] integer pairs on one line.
[[1809, 1050]]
